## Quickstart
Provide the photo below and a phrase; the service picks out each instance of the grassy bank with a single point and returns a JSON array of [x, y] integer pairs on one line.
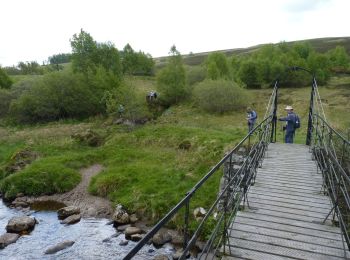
[[145, 169]]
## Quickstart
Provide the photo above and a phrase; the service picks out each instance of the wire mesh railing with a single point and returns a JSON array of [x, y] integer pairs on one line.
[[331, 151], [237, 172]]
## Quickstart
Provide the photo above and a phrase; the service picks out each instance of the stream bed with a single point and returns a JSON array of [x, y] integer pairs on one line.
[[94, 239]]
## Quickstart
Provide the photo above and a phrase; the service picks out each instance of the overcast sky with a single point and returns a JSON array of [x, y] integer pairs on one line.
[[36, 29]]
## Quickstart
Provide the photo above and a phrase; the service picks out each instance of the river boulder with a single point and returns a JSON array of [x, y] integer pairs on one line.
[[22, 224], [71, 219], [67, 211], [161, 237], [8, 238], [129, 231], [120, 216], [59, 247]]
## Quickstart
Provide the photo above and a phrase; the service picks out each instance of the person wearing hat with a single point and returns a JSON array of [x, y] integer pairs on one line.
[[290, 129], [251, 118]]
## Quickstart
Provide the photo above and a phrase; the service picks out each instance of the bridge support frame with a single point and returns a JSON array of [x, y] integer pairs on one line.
[[311, 110]]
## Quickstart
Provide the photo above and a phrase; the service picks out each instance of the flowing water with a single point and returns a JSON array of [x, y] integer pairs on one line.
[[94, 239]]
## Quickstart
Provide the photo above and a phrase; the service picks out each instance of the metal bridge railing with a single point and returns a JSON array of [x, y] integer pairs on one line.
[[332, 153], [213, 226]]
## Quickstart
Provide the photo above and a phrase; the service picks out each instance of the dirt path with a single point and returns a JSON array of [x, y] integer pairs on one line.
[[90, 206]]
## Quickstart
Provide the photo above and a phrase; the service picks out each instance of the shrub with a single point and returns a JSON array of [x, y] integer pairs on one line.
[[195, 74], [39, 179], [5, 99], [57, 95], [5, 81], [219, 96]]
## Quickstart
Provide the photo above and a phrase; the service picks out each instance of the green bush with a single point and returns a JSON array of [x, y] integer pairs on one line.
[[39, 179], [219, 96], [54, 96], [5, 99], [5, 81], [195, 74]]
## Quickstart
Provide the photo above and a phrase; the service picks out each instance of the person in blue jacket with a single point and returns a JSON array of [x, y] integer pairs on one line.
[[251, 118], [290, 121]]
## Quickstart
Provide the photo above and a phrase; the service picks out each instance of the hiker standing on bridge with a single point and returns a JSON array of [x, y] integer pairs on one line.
[[251, 118], [290, 126]]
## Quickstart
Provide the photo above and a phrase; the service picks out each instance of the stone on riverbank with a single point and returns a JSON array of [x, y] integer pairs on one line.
[[71, 219], [129, 231], [120, 216], [22, 224], [67, 211], [59, 247], [8, 238], [161, 237]]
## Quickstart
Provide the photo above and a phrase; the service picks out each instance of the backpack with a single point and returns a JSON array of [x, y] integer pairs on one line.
[[297, 122]]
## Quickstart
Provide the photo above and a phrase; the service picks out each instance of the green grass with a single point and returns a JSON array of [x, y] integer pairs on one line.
[[144, 169]]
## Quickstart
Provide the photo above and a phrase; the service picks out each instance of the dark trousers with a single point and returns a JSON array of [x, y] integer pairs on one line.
[[250, 126], [289, 137]]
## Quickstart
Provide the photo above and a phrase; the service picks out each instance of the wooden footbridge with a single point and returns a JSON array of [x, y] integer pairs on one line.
[[276, 201], [287, 208]]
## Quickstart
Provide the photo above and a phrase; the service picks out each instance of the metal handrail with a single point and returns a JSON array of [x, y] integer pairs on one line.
[[336, 180], [234, 191]]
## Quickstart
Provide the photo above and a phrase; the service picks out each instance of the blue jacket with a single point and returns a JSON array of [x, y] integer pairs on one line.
[[290, 119], [252, 116]]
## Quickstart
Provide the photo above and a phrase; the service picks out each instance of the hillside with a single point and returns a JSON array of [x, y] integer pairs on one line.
[[319, 44]]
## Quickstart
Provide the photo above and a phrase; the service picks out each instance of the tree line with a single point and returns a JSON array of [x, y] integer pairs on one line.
[[94, 83], [87, 87]]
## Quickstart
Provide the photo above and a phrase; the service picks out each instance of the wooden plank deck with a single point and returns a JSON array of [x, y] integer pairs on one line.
[[286, 211]]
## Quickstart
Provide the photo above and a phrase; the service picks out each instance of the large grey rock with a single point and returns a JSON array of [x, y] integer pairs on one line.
[[8, 238], [161, 237], [22, 224], [67, 211], [59, 247], [71, 219], [120, 216]]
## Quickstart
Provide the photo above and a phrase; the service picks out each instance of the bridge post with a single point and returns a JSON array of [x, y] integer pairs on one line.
[[274, 119], [311, 111]]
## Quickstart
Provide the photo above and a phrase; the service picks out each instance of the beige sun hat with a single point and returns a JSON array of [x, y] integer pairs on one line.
[[288, 108]]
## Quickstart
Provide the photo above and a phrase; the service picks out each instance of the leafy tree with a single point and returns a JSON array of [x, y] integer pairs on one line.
[[84, 52], [145, 64], [171, 80], [217, 66], [136, 63], [88, 55], [302, 49], [129, 60], [30, 68], [5, 81], [339, 58], [108, 57], [60, 58], [249, 74]]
